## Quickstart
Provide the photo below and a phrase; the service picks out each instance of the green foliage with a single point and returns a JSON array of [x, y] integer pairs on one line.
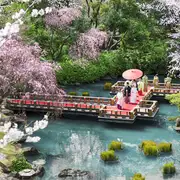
[[109, 63], [20, 164], [115, 145], [174, 99], [72, 93], [85, 94], [138, 176], [169, 168], [108, 156], [8, 11], [151, 148], [165, 147], [107, 86], [2, 135], [173, 118]]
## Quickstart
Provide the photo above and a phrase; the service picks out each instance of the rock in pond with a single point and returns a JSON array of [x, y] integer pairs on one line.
[[26, 173], [7, 112], [72, 174], [29, 151]]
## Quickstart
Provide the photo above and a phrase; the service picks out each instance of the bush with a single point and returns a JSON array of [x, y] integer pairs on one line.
[[169, 168], [115, 145], [85, 94], [108, 156], [165, 147], [20, 164], [72, 93], [149, 148], [138, 176], [107, 86]]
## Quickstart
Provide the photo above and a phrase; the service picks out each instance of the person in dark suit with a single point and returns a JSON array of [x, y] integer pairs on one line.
[[127, 92]]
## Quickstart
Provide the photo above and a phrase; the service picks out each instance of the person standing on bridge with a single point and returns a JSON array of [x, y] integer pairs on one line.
[[156, 81], [167, 82], [133, 97], [145, 83], [120, 99], [127, 92]]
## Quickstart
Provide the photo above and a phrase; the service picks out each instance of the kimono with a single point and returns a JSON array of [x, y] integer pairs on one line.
[[120, 100], [167, 82], [140, 88], [133, 97], [156, 81], [145, 83]]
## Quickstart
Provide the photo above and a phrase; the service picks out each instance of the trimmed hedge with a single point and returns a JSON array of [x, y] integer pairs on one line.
[[107, 86], [72, 93], [151, 148], [109, 156], [138, 176], [115, 145], [85, 94], [169, 168]]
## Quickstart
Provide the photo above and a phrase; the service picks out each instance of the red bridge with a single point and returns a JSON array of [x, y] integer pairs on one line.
[[103, 108]]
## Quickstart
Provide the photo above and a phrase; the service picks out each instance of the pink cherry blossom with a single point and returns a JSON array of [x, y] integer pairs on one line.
[[88, 44], [61, 18], [20, 65]]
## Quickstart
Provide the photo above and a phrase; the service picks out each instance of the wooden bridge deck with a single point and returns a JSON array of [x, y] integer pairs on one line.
[[103, 108]]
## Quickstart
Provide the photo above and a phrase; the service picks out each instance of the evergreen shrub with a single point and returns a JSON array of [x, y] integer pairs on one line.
[[107, 86], [85, 94], [165, 147], [72, 93], [108, 156], [138, 176], [149, 148], [20, 164], [169, 168], [115, 145]]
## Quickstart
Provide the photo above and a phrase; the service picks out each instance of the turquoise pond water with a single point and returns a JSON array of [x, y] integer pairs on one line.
[[77, 143]]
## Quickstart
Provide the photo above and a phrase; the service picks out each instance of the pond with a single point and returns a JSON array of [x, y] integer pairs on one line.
[[77, 143]]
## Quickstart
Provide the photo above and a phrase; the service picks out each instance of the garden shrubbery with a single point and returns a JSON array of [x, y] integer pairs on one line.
[[109, 156], [115, 145], [72, 93], [138, 176], [107, 86], [151, 148], [20, 164], [165, 147], [169, 168], [85, 94]]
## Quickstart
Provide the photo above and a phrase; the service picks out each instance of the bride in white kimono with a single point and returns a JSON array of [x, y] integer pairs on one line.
[[133, 97]]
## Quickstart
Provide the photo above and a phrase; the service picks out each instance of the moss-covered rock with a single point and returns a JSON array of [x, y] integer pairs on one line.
[[138, 176], [109, 156], [107, 86], [115, 145], [169, 168]]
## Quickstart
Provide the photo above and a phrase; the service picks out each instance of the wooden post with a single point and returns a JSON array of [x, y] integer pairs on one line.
[[76, 106], [98, 100], [115, 114], [90, 107], [131, 115], [150, 112], [112, 102]]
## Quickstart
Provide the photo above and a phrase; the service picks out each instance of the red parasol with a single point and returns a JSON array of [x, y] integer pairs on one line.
[[131, 74]]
